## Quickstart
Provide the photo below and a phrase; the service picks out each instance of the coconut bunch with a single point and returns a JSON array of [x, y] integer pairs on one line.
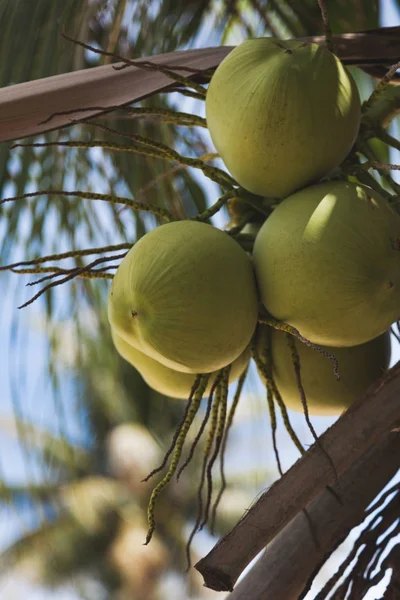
[[187, 298], [305, 279]]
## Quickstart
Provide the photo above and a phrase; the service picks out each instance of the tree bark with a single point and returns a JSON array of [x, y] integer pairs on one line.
[[294, 557], [358, 429]]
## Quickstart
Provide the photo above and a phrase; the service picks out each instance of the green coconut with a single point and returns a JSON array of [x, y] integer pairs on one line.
[[359, 367], [282, 114], [185, 295], [327, 262], [168, 381]]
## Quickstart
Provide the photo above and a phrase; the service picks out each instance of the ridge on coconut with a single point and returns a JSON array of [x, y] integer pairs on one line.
[[185, 294], [359, 367], [327, 262], [282, 114], [164, 380]]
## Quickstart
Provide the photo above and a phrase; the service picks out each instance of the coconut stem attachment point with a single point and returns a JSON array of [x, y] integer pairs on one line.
[[210, 212], [327, 28], [293, 331], [382, 85]]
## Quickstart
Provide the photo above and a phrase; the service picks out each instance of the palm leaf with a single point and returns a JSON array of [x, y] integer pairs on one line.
[[56, 550], [56, 452]]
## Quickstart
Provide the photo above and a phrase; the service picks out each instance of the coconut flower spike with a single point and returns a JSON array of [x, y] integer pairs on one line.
[[194, 407]]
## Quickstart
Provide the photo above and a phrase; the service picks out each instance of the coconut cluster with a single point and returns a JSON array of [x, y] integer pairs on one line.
[[187, 297]]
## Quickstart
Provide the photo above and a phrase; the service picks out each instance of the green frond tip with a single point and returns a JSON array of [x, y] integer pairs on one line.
[[155, 210], [193, 408], [271, 322]]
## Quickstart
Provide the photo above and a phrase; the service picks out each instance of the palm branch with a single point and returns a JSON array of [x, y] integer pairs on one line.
[[282, 15]]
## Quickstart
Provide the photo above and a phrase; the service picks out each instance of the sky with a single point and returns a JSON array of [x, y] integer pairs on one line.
[[38, 404]]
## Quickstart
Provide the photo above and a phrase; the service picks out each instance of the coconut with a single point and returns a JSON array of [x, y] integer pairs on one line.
[[165, 380], [185, 295], [327, 262], [359, 367], [282, 114]]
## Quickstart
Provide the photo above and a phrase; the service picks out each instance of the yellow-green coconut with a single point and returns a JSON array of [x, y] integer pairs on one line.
[[359, 367], [282, 114], [166, 381], [185, 295], [327, 262]]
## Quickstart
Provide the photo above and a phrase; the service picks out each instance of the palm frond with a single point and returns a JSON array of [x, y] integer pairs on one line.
[[56, 452]]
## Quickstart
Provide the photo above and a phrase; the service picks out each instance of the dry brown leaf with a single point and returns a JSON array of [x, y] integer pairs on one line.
[[24, 107]]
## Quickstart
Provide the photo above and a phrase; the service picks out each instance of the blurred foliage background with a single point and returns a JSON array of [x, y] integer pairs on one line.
[[79, 428]]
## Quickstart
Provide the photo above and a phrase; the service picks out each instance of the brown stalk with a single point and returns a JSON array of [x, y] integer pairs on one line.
[[292, 559], [359, 428], [26, 107]]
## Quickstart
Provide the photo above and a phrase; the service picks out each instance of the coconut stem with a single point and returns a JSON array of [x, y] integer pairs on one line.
[[167, 116], [381, 113], [57, 272], [327, 28], [162, 213], [146, 65], [380, 88], [209, 212], [229, 422], [293, 331], [297, 369], [219, 433], [263, 361], [273, 392], [69, 254], [198, 395], [203, 424], [195, 386], [364, 147], [207, 449], [142, 145], [74, 273]]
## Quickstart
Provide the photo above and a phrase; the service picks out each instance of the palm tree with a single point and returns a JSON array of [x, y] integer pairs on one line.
[[93, 495], [176, 25]]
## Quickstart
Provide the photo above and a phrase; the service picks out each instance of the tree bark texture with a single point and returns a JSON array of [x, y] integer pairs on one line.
[[352, 436], [300, 549]]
